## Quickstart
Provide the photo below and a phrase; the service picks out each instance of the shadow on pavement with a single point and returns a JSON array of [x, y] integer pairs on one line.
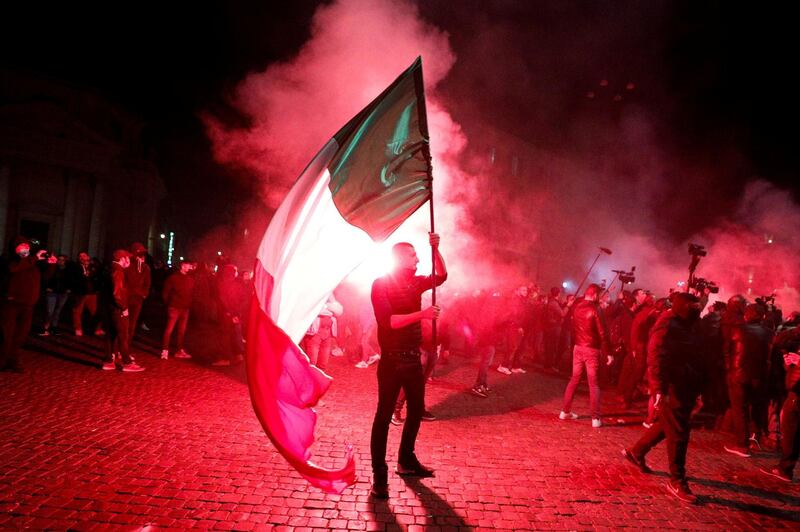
[[436, 508]]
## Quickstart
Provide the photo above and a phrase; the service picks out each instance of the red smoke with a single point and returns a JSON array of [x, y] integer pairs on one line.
[[609, 182]]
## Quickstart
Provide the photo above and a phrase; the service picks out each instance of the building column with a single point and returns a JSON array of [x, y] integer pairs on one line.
[[5, 179], [70, 212], [96, 232]]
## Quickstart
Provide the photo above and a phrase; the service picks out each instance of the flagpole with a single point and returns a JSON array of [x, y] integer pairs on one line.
[[433, 279]]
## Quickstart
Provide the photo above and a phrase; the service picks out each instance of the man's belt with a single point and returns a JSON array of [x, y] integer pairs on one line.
[[409, 353]]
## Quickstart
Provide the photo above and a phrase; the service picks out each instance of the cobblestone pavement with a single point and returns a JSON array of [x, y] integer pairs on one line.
[[178, 446]]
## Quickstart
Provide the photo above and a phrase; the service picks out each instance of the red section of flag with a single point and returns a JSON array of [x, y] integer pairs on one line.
[[284, 387]]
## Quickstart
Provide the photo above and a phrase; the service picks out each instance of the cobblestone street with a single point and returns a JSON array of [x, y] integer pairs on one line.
[[178, 446]]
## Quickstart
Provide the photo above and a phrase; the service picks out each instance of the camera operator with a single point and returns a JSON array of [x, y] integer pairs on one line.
[[746, 360], [21, 284]]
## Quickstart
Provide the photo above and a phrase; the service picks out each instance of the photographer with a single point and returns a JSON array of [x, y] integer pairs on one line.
[[21, 280]]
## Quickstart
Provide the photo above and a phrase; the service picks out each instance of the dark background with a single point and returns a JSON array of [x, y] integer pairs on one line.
[[719, 75]]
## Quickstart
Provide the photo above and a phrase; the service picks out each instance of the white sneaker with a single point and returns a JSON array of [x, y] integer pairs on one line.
[[182, 354], [165, 354], [504, 370], [362, 365], [567, 415], [597, 423], [518, 370], [144, 327], [374, 358], [646, 425], [337, 352]]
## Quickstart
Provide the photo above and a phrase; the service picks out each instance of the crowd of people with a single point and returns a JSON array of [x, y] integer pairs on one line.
[[106, 300], [734, 365]]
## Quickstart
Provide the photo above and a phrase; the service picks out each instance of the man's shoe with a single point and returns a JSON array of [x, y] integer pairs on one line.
[[379, 491], [597, 423], [362, 365], [182, 354], [567, 415], [78, 332], [221, 362], [518, 370], [414, 470], [504, 370], [109, 366], [99, 332], [738, 451], [646, 424], [680, 489], [478, 390], [44, 333], [374, 358], [164, 354], [144, 327], [427, 416], [777, 473], [638, 462], [397, 418], [133, 367]]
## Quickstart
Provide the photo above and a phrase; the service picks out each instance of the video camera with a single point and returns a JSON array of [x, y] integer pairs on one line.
[[696, 250], [700, 284], [626, 277], [767, 301]]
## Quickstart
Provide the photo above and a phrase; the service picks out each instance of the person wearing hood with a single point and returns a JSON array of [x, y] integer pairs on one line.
[[137, 275]]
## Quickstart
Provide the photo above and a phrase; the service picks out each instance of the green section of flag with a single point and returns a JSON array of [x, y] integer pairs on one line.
[[381, 173]]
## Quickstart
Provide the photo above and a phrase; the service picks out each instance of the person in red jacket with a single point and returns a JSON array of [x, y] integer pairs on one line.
[[21, 285], [177, 295]]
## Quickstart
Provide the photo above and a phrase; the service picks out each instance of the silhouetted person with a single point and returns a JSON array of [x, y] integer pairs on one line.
[[397, 301]]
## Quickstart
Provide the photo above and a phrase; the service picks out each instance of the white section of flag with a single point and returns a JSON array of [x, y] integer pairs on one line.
[[308, 249]]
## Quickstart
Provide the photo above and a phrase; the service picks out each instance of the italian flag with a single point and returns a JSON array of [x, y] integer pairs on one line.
[[371, 176]]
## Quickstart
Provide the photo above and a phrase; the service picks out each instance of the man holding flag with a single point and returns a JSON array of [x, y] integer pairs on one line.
[[363, 184], [397, 301]]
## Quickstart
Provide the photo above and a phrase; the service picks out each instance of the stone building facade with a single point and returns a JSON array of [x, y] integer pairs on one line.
[[75, 172]]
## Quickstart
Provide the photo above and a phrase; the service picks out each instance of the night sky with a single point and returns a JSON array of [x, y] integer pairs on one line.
[[716, 74]]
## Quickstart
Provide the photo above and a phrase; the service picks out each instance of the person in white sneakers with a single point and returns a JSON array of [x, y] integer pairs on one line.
[[591, 343]]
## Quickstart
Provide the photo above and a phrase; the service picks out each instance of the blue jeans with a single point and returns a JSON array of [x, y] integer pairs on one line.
[[590, 358], [487, 356], [55, 303]]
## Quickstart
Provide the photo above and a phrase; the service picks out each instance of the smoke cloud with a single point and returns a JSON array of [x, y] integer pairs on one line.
[[541, 153]]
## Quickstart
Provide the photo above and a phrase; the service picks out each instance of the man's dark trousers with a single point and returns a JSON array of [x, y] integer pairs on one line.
[[134, 309], [672, 423], [790, 443], [118, 339], [16, 323], [396, 371]]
